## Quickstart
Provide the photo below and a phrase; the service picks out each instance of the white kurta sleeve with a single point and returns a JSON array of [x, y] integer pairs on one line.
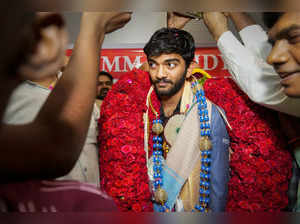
[[249, 69], [255, 39]]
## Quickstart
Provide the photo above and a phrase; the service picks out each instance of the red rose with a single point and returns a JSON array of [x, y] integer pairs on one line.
[[259, 151]]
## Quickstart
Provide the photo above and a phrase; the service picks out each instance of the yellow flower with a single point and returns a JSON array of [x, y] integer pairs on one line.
[[204, 73]]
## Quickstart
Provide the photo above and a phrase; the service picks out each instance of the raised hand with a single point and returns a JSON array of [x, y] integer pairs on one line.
[[106, 22], [117, 21], [176, 20]]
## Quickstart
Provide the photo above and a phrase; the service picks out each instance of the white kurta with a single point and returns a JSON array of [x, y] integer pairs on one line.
[[249, 69]]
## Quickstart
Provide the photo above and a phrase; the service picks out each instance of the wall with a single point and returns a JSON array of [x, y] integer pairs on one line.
[[138, 31]]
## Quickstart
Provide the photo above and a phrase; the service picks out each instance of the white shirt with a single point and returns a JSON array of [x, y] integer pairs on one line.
[[250, 70], [24, 105]]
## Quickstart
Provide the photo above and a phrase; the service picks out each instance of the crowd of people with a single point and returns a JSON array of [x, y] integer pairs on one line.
[[169, 138]]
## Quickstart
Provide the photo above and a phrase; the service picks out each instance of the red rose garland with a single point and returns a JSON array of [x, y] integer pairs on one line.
[[260, 164], [260, 167], [123, 159]]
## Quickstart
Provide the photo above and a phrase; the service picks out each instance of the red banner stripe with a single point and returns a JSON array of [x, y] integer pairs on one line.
[[120, 61]]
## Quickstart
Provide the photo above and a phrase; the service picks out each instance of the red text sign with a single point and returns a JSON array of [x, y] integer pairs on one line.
[[120, 61]]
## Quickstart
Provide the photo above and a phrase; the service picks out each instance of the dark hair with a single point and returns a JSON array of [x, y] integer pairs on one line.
[[169, 41], [106, 74], [270, 18], [14, 47]]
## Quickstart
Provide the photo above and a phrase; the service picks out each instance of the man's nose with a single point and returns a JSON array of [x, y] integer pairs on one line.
[[279, 54], [161, 73]]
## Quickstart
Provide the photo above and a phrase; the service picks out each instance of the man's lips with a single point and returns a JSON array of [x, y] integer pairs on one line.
[[285, 76], [162, 84]]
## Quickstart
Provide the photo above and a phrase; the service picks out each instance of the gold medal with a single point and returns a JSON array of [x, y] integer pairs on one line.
[[205, 143], [157, 128], [160, 196]]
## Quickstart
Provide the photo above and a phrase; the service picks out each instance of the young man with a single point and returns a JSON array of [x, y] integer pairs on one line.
[[284, 35], [105, 82], [285, 54], [163, 144]]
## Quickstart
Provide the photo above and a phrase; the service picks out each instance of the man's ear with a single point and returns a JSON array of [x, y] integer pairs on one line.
[[49, 47], [190, 69], [48, 57]]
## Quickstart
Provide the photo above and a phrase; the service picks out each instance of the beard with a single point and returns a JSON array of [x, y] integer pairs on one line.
[[174, 88], [102, 94]]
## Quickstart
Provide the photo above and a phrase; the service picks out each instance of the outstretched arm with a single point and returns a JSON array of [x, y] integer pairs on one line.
[[50, 145], [247, 65]]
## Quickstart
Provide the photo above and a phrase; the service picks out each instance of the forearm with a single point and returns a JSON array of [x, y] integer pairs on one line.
[[31, 152], [216, 23], [73, 97], [241, 20]]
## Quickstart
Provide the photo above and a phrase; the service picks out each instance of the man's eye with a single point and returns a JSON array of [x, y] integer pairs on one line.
[[152, 65], [171, 65]]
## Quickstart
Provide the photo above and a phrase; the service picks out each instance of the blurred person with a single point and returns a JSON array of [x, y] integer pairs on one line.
[[24, 105], [285, 57], [252, 126], [105, 82], [49, 146], [285, 53], [50, 49], [163, 145], [247, 62]]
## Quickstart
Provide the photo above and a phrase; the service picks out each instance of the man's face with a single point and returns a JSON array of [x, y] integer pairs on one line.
[[285, 54], [168, 73], [104, 85]]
